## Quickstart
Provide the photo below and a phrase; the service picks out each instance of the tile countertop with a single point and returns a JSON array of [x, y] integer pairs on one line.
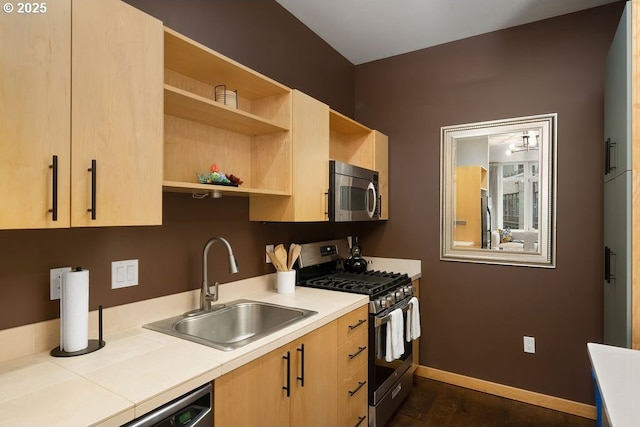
[[139, 370], [617, 372]]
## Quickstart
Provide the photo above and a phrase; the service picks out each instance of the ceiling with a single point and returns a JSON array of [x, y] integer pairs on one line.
[[367, 30]]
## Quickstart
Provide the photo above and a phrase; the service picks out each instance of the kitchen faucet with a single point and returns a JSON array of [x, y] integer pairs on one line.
[[205, 294]]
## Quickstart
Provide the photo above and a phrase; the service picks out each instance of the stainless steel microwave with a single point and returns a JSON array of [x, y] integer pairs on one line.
[[353, 193]]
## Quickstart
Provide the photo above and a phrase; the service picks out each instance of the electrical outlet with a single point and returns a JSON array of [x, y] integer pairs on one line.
[[55, 282], [268, 248], [124, 273], [529, 344]]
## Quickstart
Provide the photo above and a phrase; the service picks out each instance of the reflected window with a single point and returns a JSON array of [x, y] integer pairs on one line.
[[517, 189]]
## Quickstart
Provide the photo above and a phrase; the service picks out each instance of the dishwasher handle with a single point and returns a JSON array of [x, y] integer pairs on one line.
[[190, 410]]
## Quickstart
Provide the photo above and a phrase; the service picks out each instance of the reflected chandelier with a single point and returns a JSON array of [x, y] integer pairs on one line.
[[528, 144]]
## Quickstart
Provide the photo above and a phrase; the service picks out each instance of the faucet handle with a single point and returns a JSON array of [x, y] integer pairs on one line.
[[213, 297]]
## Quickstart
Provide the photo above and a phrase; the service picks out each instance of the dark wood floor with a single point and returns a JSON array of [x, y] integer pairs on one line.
[[437, 404]]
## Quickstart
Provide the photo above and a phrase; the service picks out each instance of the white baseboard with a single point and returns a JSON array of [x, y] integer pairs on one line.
[[526, 396]]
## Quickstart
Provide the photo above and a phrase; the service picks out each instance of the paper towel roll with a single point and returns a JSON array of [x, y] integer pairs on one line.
[[74, 310]]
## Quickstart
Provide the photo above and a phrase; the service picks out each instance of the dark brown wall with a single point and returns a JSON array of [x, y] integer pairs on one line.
[[476, 315], [170, 256], [257, 33], [262, 35]]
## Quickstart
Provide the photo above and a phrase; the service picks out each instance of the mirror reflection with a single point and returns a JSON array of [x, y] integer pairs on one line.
[[497, 189]]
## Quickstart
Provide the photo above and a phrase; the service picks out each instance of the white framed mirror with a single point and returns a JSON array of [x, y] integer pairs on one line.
[[498, 191]]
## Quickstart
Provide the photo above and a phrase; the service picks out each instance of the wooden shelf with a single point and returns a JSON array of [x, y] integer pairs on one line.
[[192, 59], [343, 124], [186, 105], [193, 187], [350, 142]]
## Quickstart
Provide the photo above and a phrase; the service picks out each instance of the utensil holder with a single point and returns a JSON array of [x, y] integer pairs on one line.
[[286, 281]]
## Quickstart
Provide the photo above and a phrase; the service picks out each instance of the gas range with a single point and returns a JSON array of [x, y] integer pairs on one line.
[[384, 289], [322, 267]]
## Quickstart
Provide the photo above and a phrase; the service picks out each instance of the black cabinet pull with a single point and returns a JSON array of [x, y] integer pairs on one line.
[[54, 189], [360, 350], [92, 169], [360, 420], [360, 385], [326, 204], [607, 264], [301, 377], [607, 156], [288, 386], [360, 322]]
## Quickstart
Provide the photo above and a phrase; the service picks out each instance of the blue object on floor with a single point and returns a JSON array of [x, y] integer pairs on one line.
[[598, 401]]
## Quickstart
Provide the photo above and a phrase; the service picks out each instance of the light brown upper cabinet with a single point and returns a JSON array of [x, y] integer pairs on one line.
[[116, 114], [81, 82], [381, 164], [249, 139], [35, 88], [310, 168], [319, 135]]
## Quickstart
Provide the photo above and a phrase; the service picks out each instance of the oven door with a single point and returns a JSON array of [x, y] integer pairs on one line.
[[383, 375]]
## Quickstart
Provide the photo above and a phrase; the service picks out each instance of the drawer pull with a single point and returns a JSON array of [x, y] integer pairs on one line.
[[360, 385], [287, 387], [360, 350], [360, 420], [301, 377], [360, 322]]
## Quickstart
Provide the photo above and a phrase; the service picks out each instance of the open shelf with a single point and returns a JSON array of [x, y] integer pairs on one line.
[[186, 105], [343, 124], [188, 187], [252, 141], [349, 141], [197, 61]]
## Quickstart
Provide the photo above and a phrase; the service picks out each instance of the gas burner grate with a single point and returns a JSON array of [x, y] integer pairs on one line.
[[368, 283]]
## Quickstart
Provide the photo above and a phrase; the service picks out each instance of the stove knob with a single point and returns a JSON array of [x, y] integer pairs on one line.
[[381, 303], [399, 294], [390, 300]]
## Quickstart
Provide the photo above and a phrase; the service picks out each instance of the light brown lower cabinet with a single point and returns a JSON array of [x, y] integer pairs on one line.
[[353, 353], [292, 385]]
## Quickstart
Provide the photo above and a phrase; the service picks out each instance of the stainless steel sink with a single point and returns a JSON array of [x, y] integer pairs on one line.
[[233, 325]]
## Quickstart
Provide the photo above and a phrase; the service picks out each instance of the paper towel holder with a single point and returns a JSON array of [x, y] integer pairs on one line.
[[94, 345]]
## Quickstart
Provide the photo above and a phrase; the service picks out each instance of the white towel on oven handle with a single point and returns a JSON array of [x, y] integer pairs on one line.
[[413, 320], [395, 336]]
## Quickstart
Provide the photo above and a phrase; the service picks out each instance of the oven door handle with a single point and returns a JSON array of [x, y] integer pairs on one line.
[[379, 321], [372, 188]]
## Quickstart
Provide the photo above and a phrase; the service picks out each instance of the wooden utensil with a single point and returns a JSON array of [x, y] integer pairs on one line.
[[281, 257], [294, 253], [273, 259]]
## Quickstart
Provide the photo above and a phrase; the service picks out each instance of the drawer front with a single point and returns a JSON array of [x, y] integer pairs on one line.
[[353, 355], [352, 324], [352, 400]]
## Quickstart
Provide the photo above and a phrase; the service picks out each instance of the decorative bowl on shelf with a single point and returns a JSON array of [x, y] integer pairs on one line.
[[215, 177]]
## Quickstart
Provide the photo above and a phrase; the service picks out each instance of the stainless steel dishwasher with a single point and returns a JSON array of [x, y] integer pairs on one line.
[[191, 410]]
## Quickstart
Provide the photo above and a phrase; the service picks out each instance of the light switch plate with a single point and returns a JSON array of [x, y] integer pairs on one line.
[[268, 248], [529, 344], [55, 282], [124, 273]]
